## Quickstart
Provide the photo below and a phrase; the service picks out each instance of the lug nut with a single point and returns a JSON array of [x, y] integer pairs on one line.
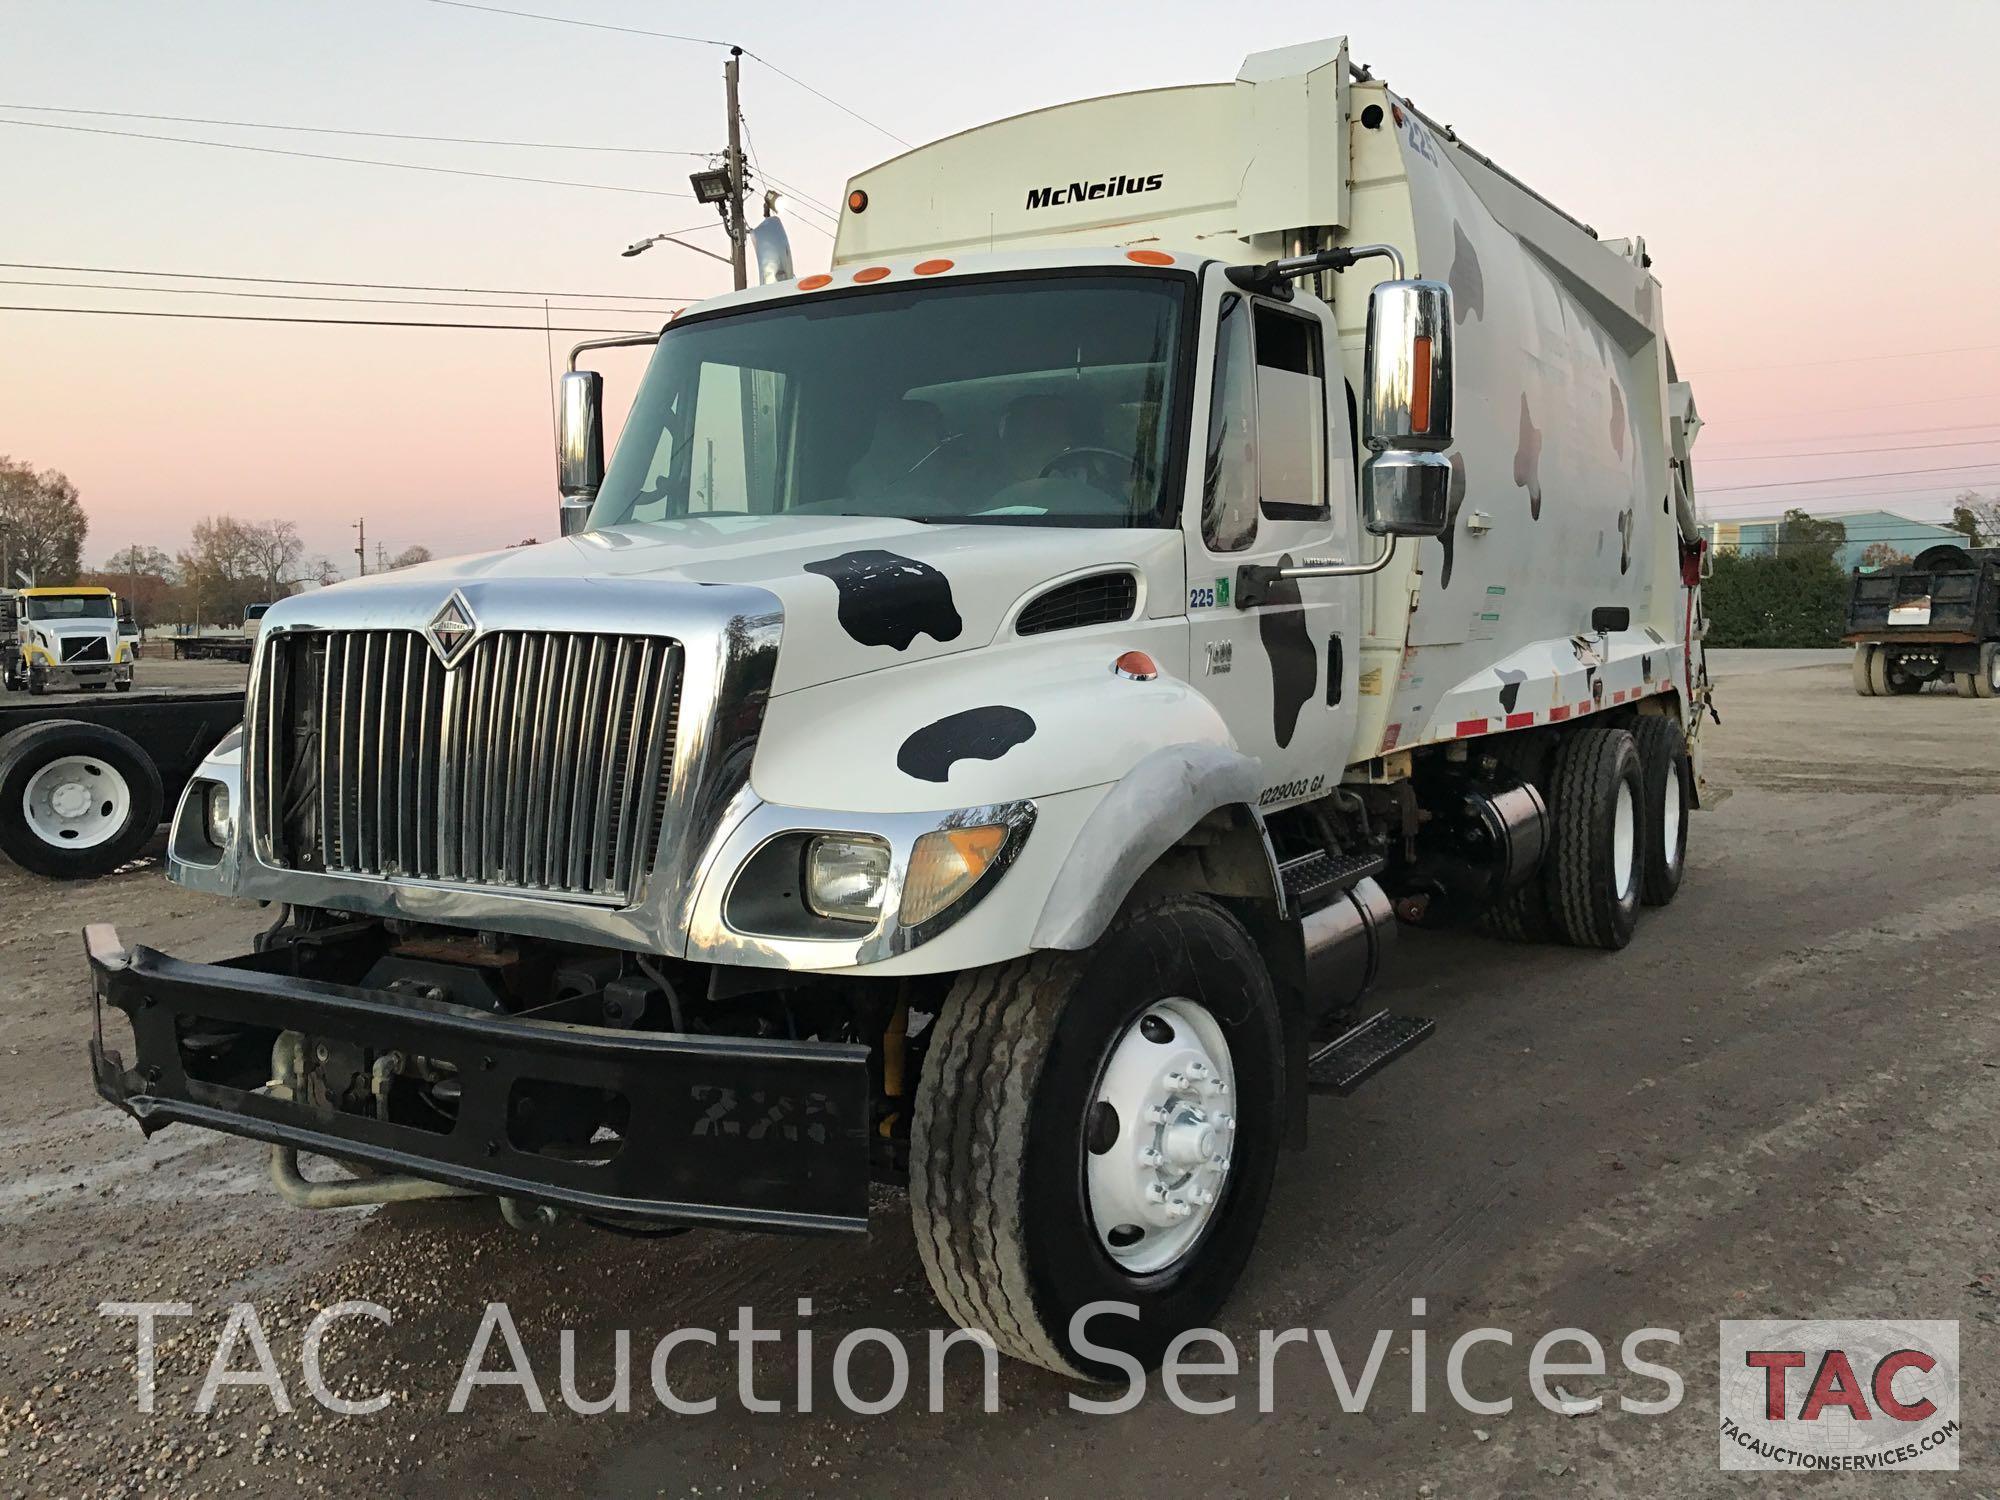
[[1159, 1114], [1155, 1193], [1180, 1208], [1177, 1081], [1150, 1157]]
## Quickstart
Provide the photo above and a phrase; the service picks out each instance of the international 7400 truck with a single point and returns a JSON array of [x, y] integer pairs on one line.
[[988, 723]]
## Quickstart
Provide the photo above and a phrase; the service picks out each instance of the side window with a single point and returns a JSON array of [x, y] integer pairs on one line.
[[1291, 415], [733, 462], [1229, 478]]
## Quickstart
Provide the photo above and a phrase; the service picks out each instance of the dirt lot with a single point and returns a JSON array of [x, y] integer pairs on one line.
[[1782, 1100]]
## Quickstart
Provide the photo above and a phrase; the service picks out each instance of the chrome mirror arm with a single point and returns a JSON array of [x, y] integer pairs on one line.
[[1254, 580]]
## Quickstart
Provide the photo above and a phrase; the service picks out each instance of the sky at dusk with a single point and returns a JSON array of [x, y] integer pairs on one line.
[[1816, 183]]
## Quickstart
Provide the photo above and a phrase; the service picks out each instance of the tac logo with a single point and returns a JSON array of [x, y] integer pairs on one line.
[[1855, 1395]]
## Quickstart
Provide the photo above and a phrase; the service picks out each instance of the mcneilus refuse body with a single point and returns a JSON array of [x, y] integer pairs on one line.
[[989, 721]]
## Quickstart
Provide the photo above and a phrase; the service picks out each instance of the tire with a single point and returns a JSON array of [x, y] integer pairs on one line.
[[1002, 1151], [116, 780], [1864, 661], [1523, 915], [1669, 778], [1887, 679], [122, 687], [1986, 680], [1597, 844]]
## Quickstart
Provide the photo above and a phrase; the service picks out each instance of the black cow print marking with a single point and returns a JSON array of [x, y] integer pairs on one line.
[[1646, 666], [1617, 418], [975, 734], [888, 600], [1454, 498], [1528, 460], [1627, 519], [1468, 285], [1510, 688], [1294, 658]]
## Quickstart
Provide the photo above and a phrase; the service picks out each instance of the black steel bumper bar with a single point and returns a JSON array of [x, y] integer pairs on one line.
[[731, 1132]]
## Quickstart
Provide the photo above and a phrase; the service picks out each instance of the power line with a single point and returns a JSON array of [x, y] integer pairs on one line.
[[1847, 359], [1780, 484], [1872, 432], [1766, 458], [134, 312], [672, 36], [358, 161], [1903, 492], [377, 135], [375, 286], [203, 291]]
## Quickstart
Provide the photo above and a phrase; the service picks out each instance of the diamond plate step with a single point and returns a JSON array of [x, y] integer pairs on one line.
[[1351, 1059], [1312, 880]]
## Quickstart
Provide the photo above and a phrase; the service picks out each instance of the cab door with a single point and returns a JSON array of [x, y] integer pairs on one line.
[[1273, 486]]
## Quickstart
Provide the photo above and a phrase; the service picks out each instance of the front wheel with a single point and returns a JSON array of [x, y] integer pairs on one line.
[[1100, 1127]]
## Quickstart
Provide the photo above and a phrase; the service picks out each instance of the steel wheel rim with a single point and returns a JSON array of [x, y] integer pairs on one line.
[[76, 802], [1993, 672], [1156, 1184], [1624, 841], [1671, 818]]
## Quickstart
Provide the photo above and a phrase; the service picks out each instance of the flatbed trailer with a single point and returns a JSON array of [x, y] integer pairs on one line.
[[1934, 619], [212, 647], [84, 782]]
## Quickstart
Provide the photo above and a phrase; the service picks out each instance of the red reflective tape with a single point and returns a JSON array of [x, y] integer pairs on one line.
[[1559, 713], [1471, 726], [1519, 721]]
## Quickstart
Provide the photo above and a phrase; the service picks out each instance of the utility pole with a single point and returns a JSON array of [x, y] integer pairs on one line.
[[738, 262], [361, 546]]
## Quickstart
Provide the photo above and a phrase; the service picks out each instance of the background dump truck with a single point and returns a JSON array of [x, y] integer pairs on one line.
[[986, 726], [64, 637], [1933, 619]]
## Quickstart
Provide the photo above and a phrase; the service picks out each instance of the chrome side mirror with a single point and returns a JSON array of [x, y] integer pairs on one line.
[[771, 248], [579, 446], [1408, 366], [1406, 493], [1407, 416]]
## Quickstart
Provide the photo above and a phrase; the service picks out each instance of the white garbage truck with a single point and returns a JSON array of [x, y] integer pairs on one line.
[[987, 725]]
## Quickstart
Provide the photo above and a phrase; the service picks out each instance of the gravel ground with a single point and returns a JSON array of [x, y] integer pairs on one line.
[[1783, 1099]]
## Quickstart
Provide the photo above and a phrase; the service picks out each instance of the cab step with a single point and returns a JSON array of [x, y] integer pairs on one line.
[[1359, 1053], [1312, 880]]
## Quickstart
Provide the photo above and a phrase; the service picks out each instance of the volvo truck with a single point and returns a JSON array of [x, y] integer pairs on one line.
[[988, 724], [64, 637]]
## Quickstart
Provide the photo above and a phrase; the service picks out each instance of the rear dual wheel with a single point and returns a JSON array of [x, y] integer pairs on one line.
[[1983, 681], [1100, 1127]]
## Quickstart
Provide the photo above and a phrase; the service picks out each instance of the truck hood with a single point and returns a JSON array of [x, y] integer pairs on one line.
[[859, 593]]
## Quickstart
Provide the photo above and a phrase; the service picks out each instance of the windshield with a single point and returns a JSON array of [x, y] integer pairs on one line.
[[71, 607], [1044, 401]]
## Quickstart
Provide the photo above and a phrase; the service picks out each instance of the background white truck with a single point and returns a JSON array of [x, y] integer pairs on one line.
[[985, 727], [64, 637]]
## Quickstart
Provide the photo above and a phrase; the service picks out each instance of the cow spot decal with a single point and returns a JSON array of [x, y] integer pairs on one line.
[[1294, 659], [1510, 688], [888, 600], [1454, 498], [1627, 519], [1468, 286], [975, 734], [1528, 460]]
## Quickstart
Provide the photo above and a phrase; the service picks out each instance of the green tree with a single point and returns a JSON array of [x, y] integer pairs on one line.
[[42, 525], [1796, 598], [1805, 534], [1976, 516]]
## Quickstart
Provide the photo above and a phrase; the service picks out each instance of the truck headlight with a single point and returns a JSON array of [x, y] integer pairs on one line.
[[945, 864], [220, 817], [846, 874]]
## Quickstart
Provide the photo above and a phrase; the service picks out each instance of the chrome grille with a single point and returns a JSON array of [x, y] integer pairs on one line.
[[538, 762]]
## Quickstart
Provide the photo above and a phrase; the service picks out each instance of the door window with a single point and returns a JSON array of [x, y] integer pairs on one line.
[[1229, 478], [1291, 415]]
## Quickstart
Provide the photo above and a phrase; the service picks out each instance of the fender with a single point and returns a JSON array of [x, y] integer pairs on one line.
[[1143, 816]]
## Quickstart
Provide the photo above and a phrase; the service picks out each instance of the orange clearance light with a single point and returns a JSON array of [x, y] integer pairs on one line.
[[872, 273], [1150, 257], [857, 202], [814, 283], [1420, 393], [932, 267], [1136, 666]]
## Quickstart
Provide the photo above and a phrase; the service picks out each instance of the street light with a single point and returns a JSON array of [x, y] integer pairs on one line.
[[711, 185], [640, 247]]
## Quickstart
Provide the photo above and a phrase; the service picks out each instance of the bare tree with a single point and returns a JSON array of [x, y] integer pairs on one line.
[[42, 525], [409, 557]]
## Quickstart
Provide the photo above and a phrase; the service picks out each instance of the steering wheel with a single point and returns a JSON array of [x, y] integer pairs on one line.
[[1101, 468]]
